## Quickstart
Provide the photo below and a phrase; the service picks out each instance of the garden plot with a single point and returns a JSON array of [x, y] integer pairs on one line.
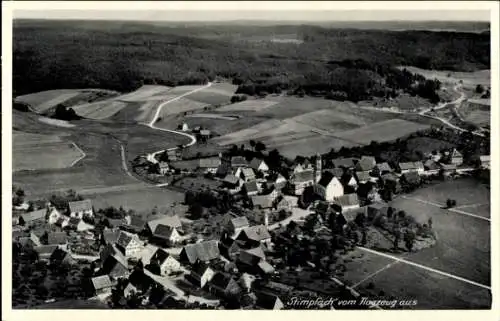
[[249, 105]]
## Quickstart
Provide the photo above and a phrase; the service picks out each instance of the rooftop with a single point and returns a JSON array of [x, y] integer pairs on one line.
[[80, 206]]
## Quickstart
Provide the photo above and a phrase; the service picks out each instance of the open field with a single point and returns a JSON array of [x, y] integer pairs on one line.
[[382, 131], [469, 79], [249, 105], [103, 164], [44, 101], [179, 90], [212, 116], [477, 111], [431, 290], [44, 156], [181, 105], [308, 147], [144, 92], [100, 110], [218, 93], [140, 200], [462, 250]]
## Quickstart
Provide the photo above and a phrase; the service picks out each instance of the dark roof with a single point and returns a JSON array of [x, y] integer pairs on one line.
[[238, 161], [431, 165], [412, 177], [124, 239], [390, 177], [326, 177], [57, 238], [160, 256], [209, 162], [221, 280], [366, 163], [163, 231], [74, 221], [198, 268], [257, 233], [34, 216], [203, 251], [251, 186], [343, 162], [255, 163], [58, 255], [266, 300], [79, 206], [303, 176], [337, 172]]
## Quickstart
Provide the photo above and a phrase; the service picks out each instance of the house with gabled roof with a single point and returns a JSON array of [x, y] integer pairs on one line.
[[165, 261], [383, 168], [251, 188], [238, 161], [201, 273], [366, 163], [232, 182], [245, 173], [364, 177], [102, 285], [80, 209], [263, 202], [167, 220], [166, 235], [411, 179], [328, 187], [258, 234], [45, 251], [259, 165], [349, 182], [205, 251], [210, 165], [60, 256], [129, 244], [431, 167], [337, 172], [485, 161], [347, 201], [53, 215], [57, 238], [110, 236], [113, 262], [268, 301], [136, 224], [406, 167], [163, 168], [224, 285], [300, 180], [456, 157], [31, 218], [346, 163], [230, 248], [236, 225]]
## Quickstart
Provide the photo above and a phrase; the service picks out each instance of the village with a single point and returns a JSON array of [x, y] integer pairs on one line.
[[254, 234]]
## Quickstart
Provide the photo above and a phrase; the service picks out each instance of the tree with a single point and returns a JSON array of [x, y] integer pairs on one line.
[[252, 144], [479, 89], [259, 147], [196, 211], [450, 203], [409, 239]]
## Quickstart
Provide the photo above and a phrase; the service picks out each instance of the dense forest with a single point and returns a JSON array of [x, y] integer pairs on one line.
[[335, 63]]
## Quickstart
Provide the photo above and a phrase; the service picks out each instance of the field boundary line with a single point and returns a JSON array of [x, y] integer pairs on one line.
[[355, 285], [472, 205], [81, 157], [448, 209], [425, 268]]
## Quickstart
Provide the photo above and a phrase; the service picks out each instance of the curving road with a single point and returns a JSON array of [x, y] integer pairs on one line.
[[157, 114]]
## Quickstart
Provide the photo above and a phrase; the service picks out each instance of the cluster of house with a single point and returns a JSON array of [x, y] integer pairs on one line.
[[225, 267]]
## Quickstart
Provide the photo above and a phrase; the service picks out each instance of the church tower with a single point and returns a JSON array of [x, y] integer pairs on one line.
[[317, 169]]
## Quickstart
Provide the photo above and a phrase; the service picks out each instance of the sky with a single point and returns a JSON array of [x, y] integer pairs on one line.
[[281, 15]]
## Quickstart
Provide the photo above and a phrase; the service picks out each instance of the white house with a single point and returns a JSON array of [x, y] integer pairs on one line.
[[129, 244], [164, 168], [485, 161], [329, 187], [411, 167], [237, 224], [245, 173], [79, 209], [166, 262], [54, 216], [202, 274], [167, 234], [259, 165]]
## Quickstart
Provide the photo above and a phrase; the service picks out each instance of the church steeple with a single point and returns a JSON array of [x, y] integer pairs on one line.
[[318, 168]]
